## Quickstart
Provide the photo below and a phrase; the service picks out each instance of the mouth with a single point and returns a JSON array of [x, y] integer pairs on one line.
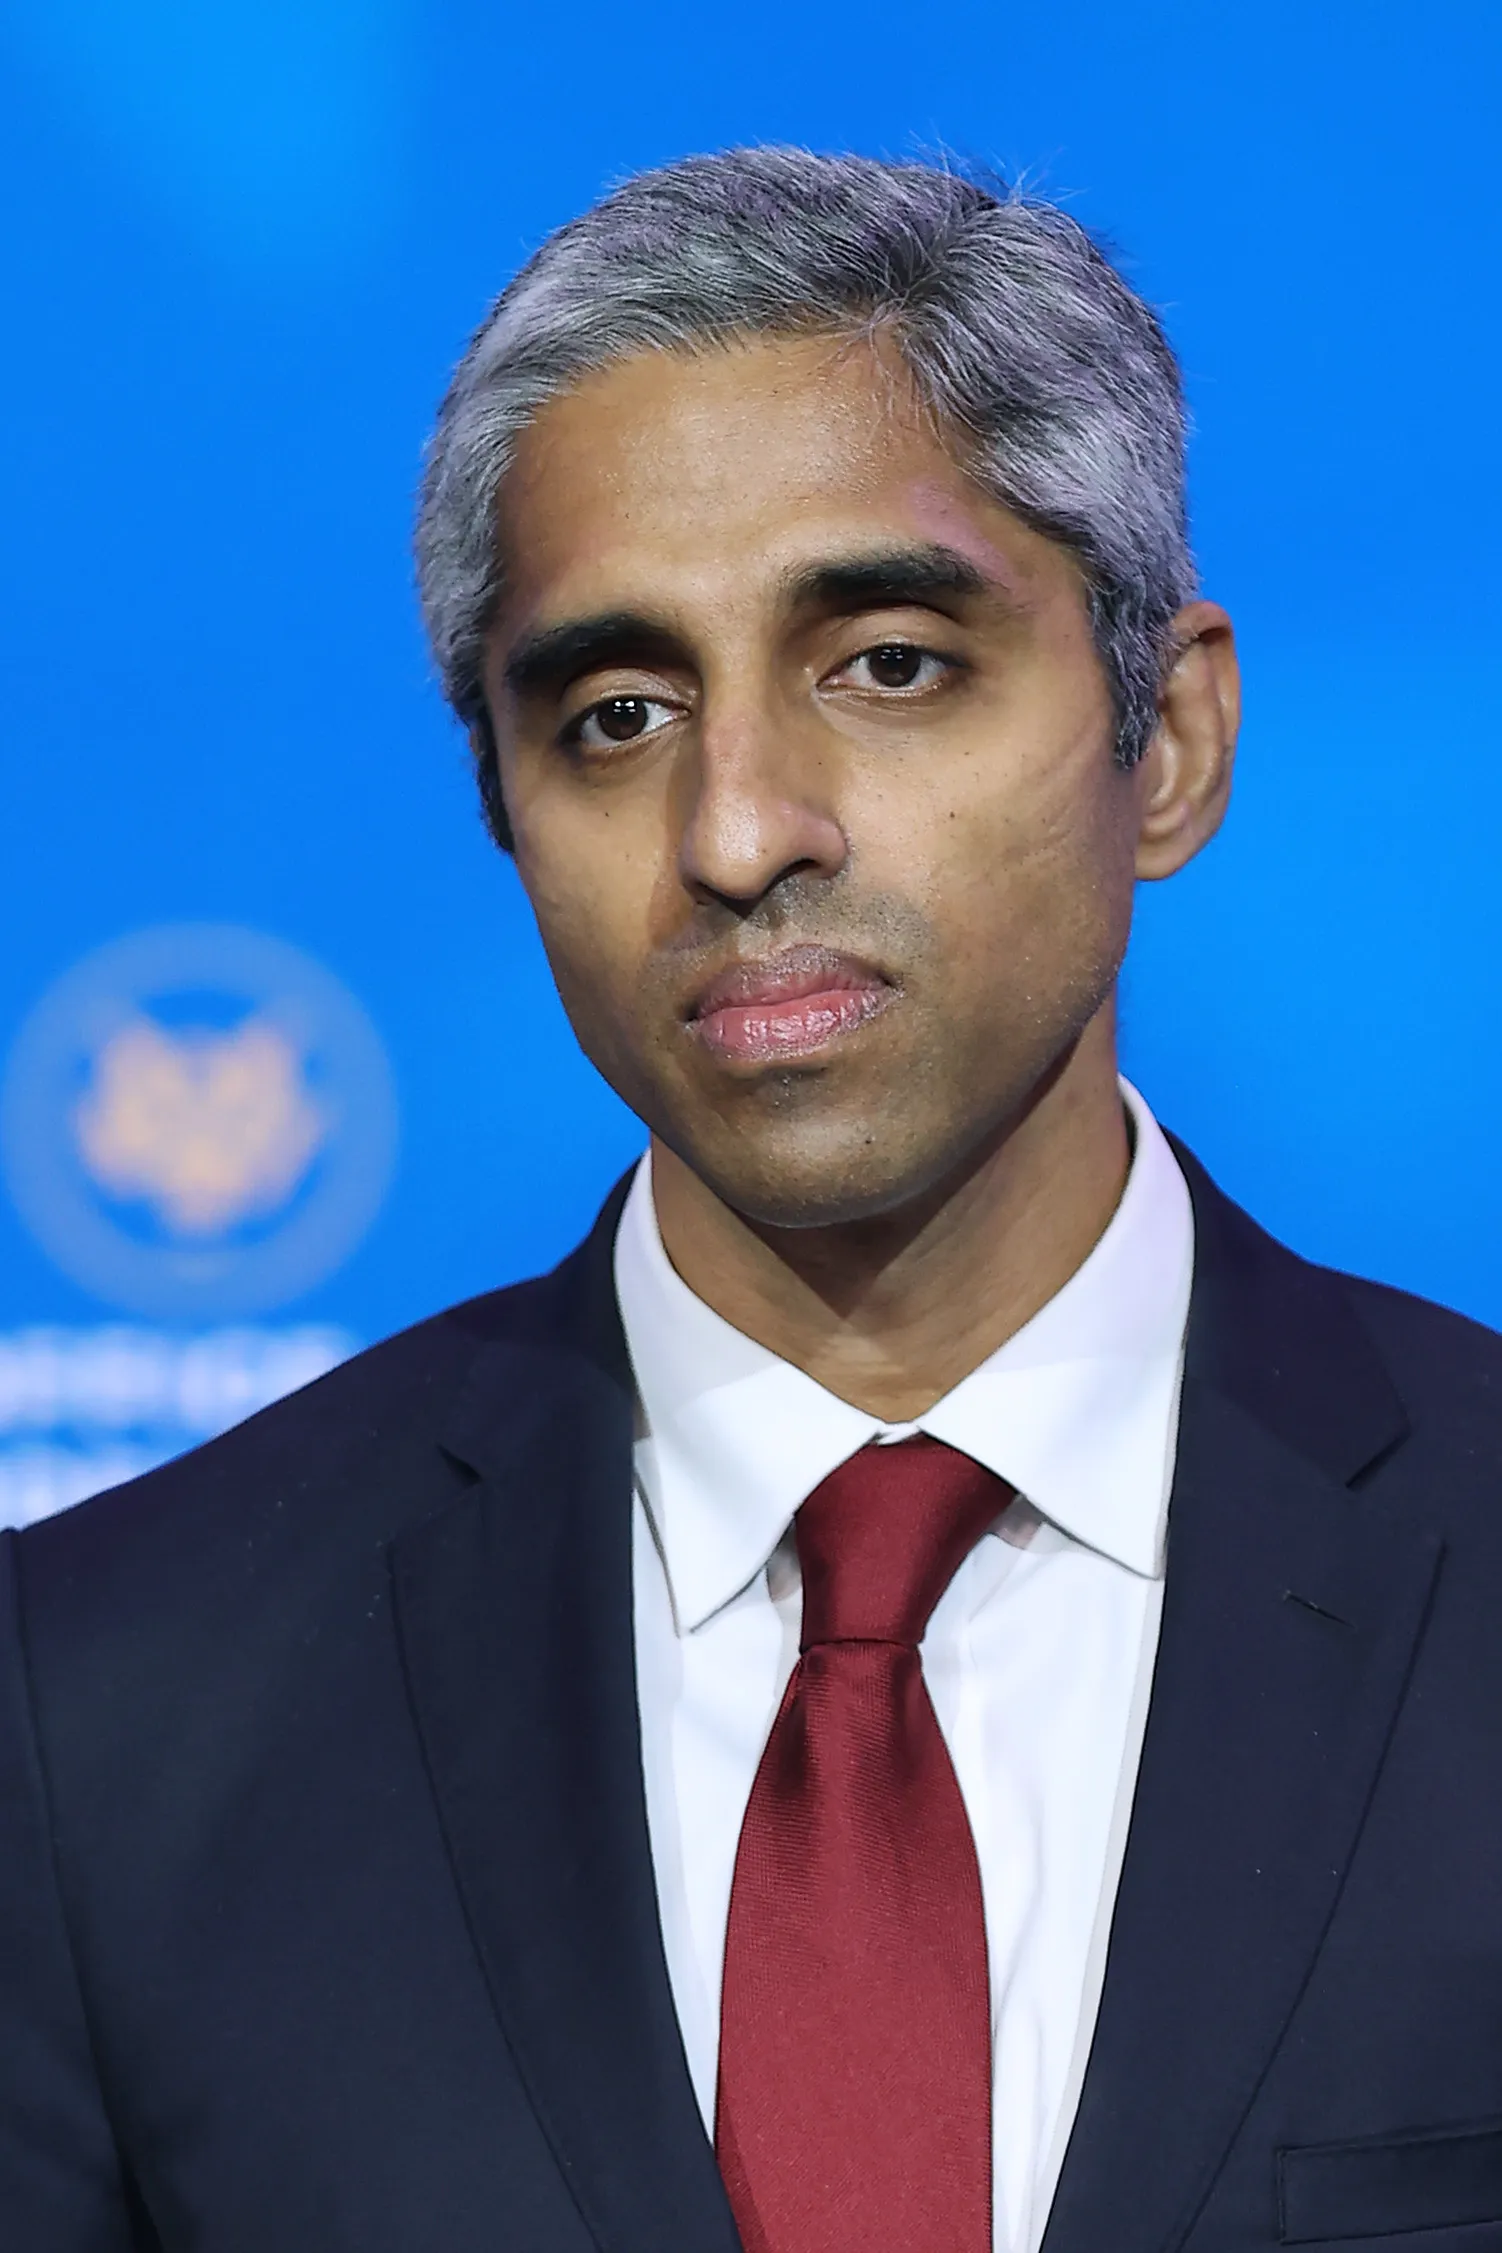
[[789, 1006]]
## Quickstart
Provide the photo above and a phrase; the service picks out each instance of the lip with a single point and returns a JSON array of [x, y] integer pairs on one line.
[[787, 1006]]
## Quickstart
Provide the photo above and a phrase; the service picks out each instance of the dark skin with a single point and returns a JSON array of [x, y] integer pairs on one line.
[[777, 689]]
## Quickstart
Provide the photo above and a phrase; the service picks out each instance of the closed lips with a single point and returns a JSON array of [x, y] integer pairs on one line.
[[797, 1002]]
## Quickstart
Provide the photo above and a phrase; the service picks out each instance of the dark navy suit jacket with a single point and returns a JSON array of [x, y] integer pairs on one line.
[[327, 1920]]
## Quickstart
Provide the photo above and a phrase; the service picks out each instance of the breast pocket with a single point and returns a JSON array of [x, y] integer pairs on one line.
[[1437, 2179]]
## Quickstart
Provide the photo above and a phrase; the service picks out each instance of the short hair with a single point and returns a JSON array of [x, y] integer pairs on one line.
[[1053, 374]]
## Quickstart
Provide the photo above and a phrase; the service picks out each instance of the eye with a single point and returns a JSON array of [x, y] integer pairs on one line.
[[616, 720], [895, 665]]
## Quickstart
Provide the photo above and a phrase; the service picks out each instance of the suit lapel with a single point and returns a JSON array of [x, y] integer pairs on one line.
[[515, 1613], [1292, 1611]]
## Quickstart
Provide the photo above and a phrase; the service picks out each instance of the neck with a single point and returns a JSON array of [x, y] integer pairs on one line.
[[889, 1314]]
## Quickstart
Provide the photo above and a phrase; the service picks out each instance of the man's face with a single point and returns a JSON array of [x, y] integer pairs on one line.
[[807, 753]]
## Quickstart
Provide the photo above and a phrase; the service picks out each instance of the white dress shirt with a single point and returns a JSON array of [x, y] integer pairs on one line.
[[1038, 1658]]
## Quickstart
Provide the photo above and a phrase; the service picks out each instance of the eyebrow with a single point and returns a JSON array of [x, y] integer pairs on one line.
[[925, 574], [544, 662]]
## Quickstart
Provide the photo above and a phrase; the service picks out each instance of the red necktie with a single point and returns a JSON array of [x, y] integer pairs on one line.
[[854, 2111]]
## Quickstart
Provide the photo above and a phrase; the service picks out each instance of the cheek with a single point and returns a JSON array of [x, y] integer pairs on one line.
[[592, 897], [1024, 868], [576, 937]]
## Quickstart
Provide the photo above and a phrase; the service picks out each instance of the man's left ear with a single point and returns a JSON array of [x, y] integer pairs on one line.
[[1185, 772]]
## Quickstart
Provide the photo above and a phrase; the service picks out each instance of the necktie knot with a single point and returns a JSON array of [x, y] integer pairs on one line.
[[881, 1538]]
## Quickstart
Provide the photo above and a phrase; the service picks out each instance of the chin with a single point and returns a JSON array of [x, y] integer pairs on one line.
[[826, 1180]]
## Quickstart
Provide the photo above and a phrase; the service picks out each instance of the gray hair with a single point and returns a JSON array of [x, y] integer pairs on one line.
[[1019, 335]]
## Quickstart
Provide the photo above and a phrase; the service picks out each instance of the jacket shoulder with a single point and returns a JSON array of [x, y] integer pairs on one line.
[[1444, 1364]]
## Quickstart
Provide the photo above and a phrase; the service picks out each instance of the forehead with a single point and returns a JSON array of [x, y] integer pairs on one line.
[[669, 477]]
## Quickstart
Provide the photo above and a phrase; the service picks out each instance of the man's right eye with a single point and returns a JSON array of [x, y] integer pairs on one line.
[[616, 720]]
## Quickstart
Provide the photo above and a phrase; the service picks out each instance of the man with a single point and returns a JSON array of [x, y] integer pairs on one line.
[[931, 1687]]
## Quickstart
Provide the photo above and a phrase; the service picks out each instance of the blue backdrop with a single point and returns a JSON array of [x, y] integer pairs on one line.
[[283, 1069]]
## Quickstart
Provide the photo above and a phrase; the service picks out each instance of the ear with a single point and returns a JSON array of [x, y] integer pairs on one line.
[[1185, 773]]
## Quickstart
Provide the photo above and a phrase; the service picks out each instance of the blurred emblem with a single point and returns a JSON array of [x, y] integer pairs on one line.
[[198, 1122], [207, 1127]]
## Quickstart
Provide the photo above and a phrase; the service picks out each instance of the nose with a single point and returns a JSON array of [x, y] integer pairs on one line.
[[758, 805]]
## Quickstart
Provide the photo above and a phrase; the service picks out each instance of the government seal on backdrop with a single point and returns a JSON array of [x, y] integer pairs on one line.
[[198, 1122]]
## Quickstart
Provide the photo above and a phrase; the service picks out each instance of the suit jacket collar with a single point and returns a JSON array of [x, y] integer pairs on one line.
[[1291, 1614], [568, 1318], [1281, 1338]]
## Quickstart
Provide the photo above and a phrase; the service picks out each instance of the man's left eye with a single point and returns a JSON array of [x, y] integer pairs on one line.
[[895, 665]]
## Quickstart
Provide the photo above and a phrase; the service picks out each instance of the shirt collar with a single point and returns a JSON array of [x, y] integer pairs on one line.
[[1078, 1410]]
